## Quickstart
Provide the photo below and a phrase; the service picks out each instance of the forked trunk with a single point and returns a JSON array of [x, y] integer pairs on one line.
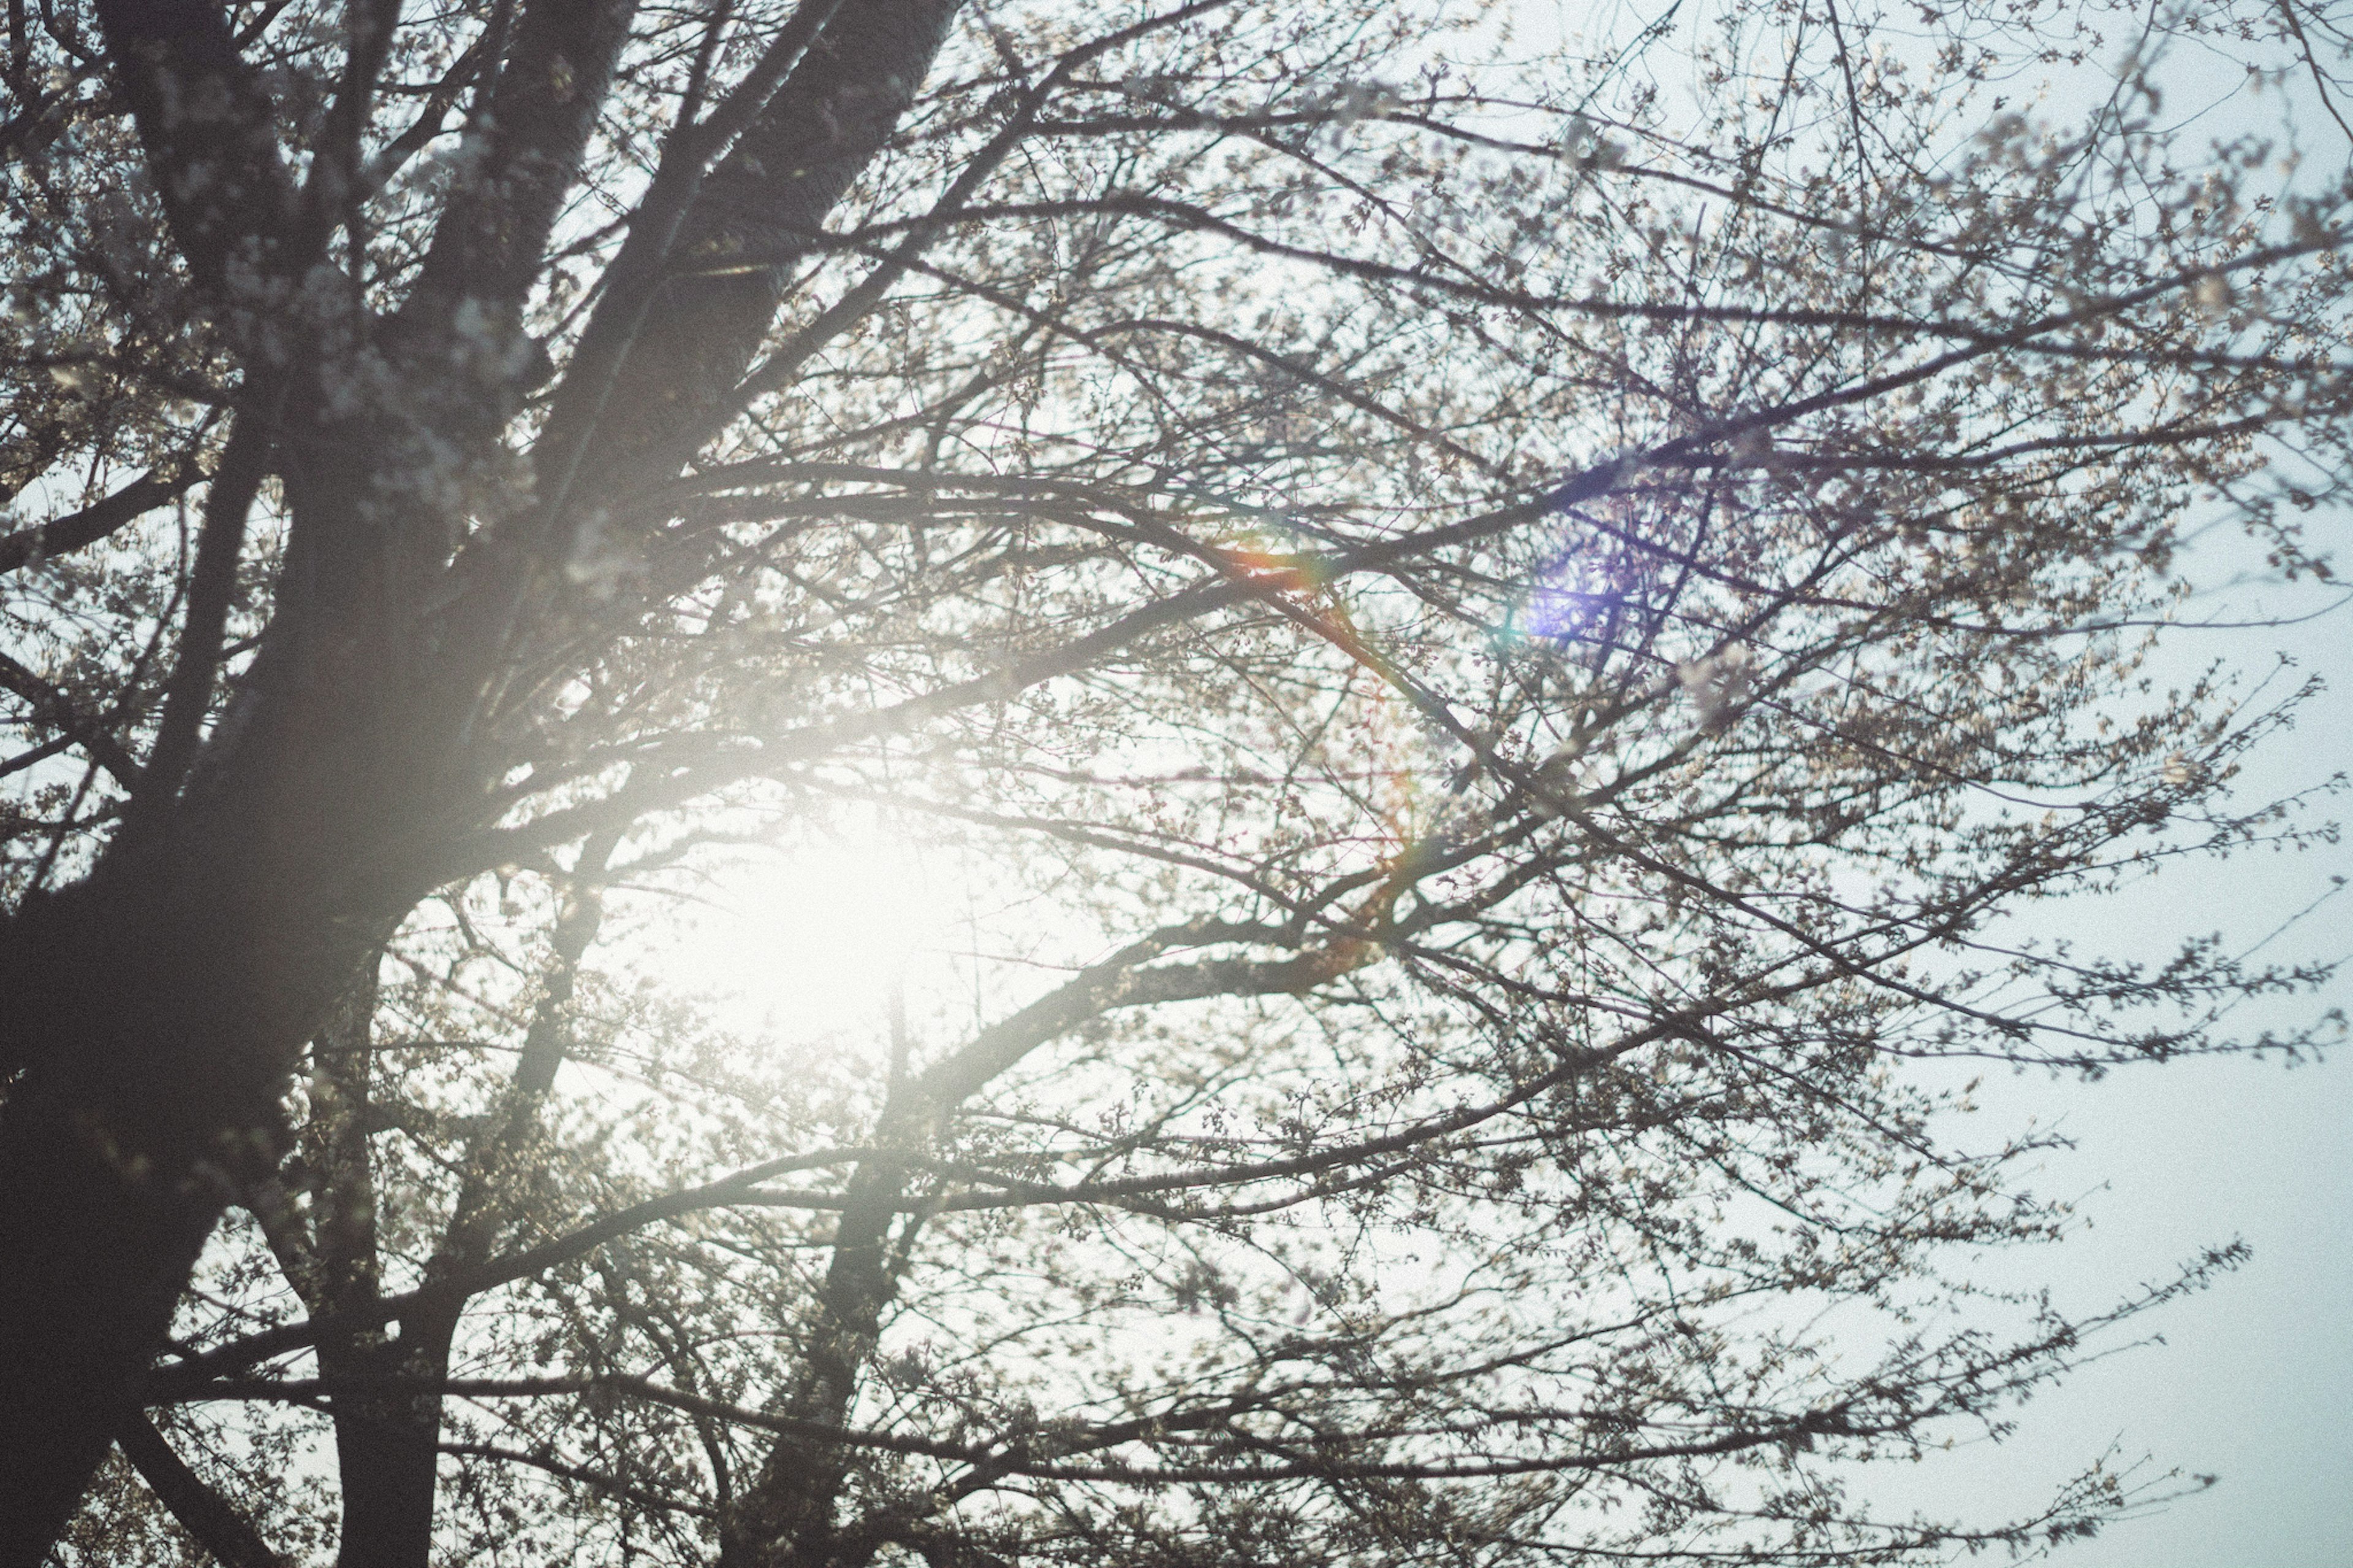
[[152, 1015]]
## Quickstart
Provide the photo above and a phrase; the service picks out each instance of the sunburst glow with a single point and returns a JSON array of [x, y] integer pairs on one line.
[[811, 940]]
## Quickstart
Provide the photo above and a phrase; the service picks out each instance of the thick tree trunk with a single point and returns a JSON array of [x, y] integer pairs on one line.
[[152, 1015], [155, 1012], [769, 198], [388, 1445], [96, 1255], [165, 1025]]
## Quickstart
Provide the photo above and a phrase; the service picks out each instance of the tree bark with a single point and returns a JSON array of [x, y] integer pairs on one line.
[[684, 351], [165, 1025], [388, 1444], [157, 1009]]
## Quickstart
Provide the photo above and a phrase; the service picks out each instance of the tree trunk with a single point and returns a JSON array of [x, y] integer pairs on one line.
[[154, 1013], [387, 1442], [166, 1026], [388, 1445], [787, 1518]]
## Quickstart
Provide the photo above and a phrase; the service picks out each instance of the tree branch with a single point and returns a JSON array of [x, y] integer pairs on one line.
[[218, 1528], [62, 535], [55, 708], [189, 693], [210, 133]]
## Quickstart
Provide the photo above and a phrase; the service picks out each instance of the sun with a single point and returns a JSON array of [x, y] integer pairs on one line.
[[811, 940]]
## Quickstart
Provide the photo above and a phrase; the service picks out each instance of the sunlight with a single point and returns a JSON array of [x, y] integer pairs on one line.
[[809, 941]]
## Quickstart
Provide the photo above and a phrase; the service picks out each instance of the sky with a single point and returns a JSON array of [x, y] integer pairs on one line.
[[2253, 1382], [2254, 1379]]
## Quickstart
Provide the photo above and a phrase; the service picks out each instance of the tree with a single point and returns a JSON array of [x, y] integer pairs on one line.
[[1495, 641]]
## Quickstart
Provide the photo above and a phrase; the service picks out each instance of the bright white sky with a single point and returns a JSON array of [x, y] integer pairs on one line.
[[818, 939], [2256, 1380]]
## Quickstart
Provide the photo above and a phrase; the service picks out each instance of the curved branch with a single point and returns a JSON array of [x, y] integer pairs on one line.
[[189, 693], [76, 530]]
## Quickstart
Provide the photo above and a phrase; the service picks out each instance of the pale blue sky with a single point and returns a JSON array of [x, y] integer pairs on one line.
[[2254, 1383]]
